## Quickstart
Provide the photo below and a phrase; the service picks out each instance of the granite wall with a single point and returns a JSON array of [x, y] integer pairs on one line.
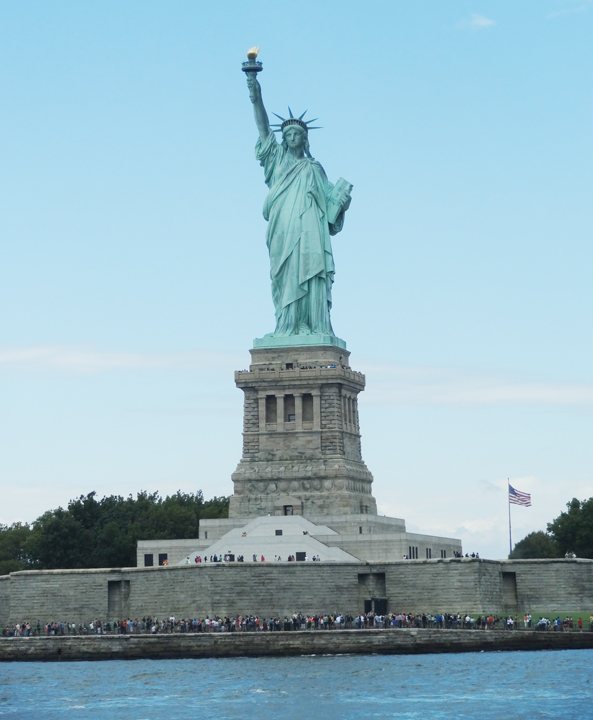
[[450, 585]]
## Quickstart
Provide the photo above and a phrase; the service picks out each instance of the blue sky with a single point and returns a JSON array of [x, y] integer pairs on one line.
[[133, 266]]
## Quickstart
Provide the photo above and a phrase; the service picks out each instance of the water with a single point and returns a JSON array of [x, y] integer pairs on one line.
[[484, 686]]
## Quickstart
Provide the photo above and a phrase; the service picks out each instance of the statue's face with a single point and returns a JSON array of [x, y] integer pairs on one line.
[[295, 137]]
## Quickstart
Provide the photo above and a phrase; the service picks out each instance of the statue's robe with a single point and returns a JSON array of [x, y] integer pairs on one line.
[[301, 260]]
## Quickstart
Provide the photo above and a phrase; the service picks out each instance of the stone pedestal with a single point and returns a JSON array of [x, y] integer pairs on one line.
[[301, 435]]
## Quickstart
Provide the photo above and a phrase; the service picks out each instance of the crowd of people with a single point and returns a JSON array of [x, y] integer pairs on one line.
[[296, 621], [231, 557]]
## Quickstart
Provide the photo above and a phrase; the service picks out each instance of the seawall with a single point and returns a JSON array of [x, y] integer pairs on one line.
[[279, 644]]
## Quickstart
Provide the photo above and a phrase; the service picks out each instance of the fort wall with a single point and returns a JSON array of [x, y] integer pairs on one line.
[[276, 589]]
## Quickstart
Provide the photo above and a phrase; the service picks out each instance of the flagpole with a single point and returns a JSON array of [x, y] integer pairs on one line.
[[509, 504]]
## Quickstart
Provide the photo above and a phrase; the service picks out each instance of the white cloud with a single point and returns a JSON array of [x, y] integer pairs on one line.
[[90, 360], [447, 387], [575, 9], [477, 22], [480, 21]]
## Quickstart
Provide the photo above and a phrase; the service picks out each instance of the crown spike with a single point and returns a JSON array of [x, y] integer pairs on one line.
[[292, 120]]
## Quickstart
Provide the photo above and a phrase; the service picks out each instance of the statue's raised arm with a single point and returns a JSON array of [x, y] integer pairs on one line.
[[259, 111]]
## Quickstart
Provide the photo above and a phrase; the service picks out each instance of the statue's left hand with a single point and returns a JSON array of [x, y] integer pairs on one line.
[[344, 199]]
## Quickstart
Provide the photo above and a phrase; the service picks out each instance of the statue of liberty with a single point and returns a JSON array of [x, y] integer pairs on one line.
[[303, 209]]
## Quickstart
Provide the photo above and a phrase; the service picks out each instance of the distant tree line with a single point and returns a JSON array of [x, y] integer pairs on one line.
[[93, 533], [570, 532]]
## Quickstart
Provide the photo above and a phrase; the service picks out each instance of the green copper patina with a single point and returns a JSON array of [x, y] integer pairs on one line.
[[303, 210]]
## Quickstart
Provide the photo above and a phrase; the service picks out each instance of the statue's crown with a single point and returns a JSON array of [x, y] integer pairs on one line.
[[292, 120]]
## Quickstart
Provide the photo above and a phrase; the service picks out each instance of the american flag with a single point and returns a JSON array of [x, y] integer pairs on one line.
[[516, 497]]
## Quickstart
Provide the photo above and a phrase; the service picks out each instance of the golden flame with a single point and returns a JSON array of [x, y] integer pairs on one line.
[[252, 53]]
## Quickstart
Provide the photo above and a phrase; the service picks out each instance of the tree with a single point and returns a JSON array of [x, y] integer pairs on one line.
[[535, 545], [59, 540], [572, 530], [13, 548], [93, 533]]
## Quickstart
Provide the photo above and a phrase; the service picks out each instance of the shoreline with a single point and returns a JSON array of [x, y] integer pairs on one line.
[[395, 641]]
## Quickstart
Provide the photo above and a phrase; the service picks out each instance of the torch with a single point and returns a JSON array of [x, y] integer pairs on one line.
[[252, 65]]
